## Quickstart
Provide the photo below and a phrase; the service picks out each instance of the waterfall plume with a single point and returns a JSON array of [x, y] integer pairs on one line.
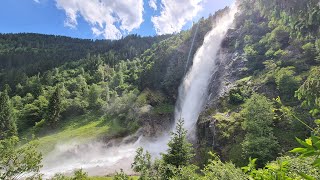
[[194, 88]]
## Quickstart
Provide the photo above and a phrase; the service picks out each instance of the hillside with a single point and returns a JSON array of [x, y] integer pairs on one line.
[[27, 54], [263, 96]]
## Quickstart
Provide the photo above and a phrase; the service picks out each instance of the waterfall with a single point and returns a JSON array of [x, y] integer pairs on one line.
[[97, 158], [194, 89]]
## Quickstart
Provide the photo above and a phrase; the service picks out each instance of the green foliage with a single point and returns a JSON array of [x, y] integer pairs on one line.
[[287, 83], [33, 113], [235, 97], [164, 109], [259, 140], [250, 51], [274, 171], [54, 107], [284, 168], [188, 172], [85, 128], [175, 164], [216, 170], [94, 97], [258, 115], [311, 148], [180, 150], [7, 122], [317, 46], [77, 175], [271, 36], [80, 175], [309, 91], [18, 161], [21, 53], [60, 177], [123, 105], [227, 124], [121, 176], [142, 164], [309, 52], [279, 36]]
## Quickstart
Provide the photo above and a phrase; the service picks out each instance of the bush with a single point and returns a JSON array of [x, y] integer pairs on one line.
[[287, 83], [77, 175], [217, 170], [121, 176], [235, 97]]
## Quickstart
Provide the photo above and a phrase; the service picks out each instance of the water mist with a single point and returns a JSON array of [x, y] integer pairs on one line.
[[194, 89], [98, 158]]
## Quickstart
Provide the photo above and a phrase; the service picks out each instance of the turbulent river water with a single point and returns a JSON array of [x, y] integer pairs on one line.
[[99, 158]]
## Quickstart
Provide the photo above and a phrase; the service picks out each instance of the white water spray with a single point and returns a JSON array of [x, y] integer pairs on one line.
[[191, 47], [193, 91], [99, 159]]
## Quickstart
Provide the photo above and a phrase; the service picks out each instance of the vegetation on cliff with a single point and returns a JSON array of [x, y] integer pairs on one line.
[[55, 88]]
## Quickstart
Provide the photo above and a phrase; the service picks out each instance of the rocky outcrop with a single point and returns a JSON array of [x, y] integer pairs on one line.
[[229, 68]]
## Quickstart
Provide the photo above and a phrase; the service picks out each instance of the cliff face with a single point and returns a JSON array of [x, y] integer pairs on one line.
[[271, 51], [230, 65]]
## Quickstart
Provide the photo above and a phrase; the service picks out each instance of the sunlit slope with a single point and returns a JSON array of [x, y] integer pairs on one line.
[[79, 129]]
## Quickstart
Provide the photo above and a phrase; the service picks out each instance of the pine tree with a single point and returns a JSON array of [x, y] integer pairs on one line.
[[180, 150], [8, 126], [54, 107], [142, 164]]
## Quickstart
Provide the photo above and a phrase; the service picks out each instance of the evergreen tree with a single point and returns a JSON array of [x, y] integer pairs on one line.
[[180, 150], [7, 122], [54, 107], [259, 140], [142, 164]]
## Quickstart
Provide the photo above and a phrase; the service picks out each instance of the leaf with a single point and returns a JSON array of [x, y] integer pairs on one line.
[[315, 140], [307, 177], [309, 153], [317, 144], [316, 163], [309, 141], [303, 143], [317, 121], [298, 150]]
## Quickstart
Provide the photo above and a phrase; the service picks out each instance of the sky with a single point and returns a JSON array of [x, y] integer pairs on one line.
[[104, 19]]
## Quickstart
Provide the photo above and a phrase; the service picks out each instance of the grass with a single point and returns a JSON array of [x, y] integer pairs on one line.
[[111, 178], [81, 128]]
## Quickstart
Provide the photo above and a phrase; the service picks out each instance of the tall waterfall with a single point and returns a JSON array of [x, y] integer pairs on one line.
[[193, 90], [98, 158]]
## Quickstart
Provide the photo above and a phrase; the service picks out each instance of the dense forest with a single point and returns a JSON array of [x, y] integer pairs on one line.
[[266, 123]]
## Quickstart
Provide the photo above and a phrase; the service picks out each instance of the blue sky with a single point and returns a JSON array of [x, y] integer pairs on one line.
[[99, 19]]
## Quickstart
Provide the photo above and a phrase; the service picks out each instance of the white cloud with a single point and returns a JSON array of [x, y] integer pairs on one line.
[[175, 14], [153, 4], [110, 18], [37, 1]]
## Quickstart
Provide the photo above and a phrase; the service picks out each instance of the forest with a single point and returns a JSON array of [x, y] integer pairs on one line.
[[266, 122]]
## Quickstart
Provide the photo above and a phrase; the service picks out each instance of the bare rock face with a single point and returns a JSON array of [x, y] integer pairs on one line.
[[153, 125], [230, 68]]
